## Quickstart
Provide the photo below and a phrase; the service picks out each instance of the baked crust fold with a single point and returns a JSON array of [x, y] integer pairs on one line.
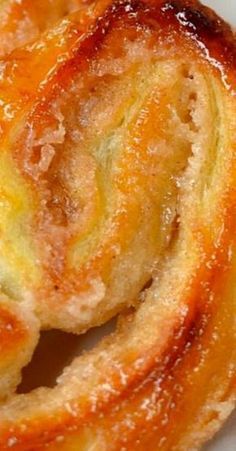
[[117, 180]]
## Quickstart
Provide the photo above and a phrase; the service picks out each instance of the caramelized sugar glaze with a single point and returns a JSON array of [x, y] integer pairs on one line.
[[117, 167], [22, 21]]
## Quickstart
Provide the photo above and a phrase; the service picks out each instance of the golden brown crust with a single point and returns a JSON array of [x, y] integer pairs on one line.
[[23, 21], [166, 378]]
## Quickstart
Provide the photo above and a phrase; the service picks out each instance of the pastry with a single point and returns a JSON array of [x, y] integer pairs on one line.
[[117, 180], [22, 21]]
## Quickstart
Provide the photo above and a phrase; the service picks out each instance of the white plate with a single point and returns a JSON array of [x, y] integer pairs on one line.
[[227, 9], [226, 439]]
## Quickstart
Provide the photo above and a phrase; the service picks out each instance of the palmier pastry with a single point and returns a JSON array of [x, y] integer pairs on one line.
[[117, 181]]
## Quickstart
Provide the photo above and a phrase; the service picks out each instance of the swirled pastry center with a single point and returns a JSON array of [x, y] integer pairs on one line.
[[97, 175]]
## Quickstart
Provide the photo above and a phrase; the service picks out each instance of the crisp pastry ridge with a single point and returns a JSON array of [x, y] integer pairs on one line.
[[154, 198]]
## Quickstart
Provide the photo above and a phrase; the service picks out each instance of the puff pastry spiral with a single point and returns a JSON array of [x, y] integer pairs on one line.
[[117, 195]]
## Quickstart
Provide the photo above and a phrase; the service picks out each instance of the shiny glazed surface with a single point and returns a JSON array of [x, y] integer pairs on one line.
[[118, 166]]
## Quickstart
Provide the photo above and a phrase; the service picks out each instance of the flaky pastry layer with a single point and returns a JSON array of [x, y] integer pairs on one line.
[[117, 181]]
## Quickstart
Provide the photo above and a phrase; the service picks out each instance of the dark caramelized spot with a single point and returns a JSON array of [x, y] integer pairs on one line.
[[204, 25]]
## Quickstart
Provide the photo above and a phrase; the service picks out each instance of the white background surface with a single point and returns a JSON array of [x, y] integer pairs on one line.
[[226, 439], [227, 8]]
